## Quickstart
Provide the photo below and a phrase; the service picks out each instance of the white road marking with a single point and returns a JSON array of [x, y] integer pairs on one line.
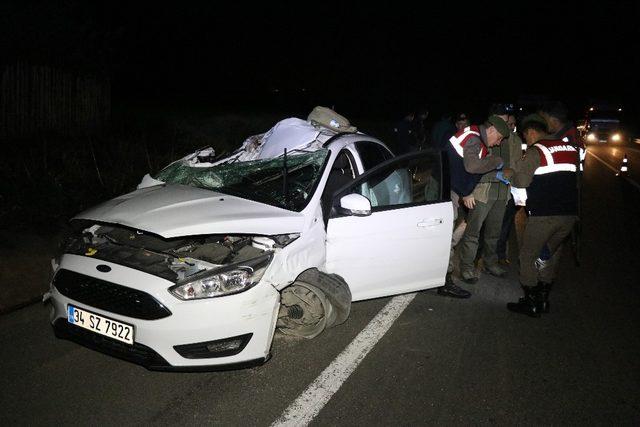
[[629, 180], [632, 182], [305, 408], [602, 161]]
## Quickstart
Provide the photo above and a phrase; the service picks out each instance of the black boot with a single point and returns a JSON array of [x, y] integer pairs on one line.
[[543, 300], [529, 304], [543, 304], [451, 290]]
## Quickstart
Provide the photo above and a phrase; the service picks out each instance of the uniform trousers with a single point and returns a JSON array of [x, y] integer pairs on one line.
[[541, 231], [489, 214]]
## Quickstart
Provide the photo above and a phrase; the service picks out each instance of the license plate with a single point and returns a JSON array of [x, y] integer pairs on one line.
[[100, 324]]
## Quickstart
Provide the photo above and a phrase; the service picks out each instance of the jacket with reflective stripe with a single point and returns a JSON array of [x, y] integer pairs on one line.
[[463, 182], [460, 139], [570, 135], [553, 188]]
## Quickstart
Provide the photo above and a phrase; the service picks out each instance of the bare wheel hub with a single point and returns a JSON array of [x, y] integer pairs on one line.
[[303, 311]]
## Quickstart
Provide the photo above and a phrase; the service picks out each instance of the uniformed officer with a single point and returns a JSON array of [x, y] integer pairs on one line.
[[489, 200], [548, 171], [410, 131], [469, 159], [556, 115], [516, 150]]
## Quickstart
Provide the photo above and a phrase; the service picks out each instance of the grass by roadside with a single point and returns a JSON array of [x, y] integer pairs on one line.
[[25, 268]]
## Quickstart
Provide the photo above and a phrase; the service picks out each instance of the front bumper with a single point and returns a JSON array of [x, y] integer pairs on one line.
[[252, 312], [137, 353]]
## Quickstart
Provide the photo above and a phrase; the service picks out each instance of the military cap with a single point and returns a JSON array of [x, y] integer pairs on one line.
[[500, 125], [535, 117]]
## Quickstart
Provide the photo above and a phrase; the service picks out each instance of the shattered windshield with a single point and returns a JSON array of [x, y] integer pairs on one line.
[[260, 180]]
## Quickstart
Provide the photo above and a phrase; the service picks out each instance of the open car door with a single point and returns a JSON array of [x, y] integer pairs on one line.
[[389, 231]]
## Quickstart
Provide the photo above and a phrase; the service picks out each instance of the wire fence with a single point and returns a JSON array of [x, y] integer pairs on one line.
[[35, 99]]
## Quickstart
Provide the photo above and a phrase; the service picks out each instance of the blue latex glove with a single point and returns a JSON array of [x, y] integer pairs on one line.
[[501, 177], [500, 166]]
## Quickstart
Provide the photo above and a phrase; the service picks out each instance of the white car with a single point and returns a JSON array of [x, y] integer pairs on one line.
[[198, 267]]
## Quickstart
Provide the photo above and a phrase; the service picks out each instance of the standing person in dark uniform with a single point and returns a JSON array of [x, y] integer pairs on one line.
[[442, 130], [420, 130], [462, 121], [410, 131], [405, 138], [556, 115], [548, 171], [445, 128]]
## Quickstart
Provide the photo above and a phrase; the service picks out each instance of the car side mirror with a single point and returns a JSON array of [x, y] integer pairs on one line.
[[355, 205]]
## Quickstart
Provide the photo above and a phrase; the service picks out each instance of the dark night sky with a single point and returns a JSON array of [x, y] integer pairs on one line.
[[361, 55]]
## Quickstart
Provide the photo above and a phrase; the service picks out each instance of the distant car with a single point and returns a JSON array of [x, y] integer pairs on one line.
[[198, 267], [604, 128]]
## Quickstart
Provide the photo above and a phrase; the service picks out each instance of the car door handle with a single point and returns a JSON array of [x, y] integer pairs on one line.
[[430, 222]]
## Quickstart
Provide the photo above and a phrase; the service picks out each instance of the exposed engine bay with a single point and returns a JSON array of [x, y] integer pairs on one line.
[[173, 259]]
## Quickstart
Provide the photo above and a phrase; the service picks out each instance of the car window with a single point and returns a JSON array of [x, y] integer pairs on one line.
[[372, 154], [413, 181]]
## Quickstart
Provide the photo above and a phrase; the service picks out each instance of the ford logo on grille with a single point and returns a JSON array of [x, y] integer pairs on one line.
[[103, 268]]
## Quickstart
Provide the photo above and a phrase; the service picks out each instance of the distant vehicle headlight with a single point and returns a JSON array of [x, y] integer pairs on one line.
[[616, 137], [592, 137], [223, 281]]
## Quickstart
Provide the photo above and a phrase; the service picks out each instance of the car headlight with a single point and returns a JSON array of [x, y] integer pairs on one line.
[[227, 280], [616, 137], [592, 137]]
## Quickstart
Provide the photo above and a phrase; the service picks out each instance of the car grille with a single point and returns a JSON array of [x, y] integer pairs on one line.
[[109, 296]]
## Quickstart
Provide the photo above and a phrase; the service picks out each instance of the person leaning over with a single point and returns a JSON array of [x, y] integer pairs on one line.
[[548, 171], [469, 159], [486, 199]]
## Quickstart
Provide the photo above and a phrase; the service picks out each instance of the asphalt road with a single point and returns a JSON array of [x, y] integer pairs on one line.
[[443, 361], [613, 155]]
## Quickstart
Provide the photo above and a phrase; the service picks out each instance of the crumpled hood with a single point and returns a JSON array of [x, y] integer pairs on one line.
[[179, 210]]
